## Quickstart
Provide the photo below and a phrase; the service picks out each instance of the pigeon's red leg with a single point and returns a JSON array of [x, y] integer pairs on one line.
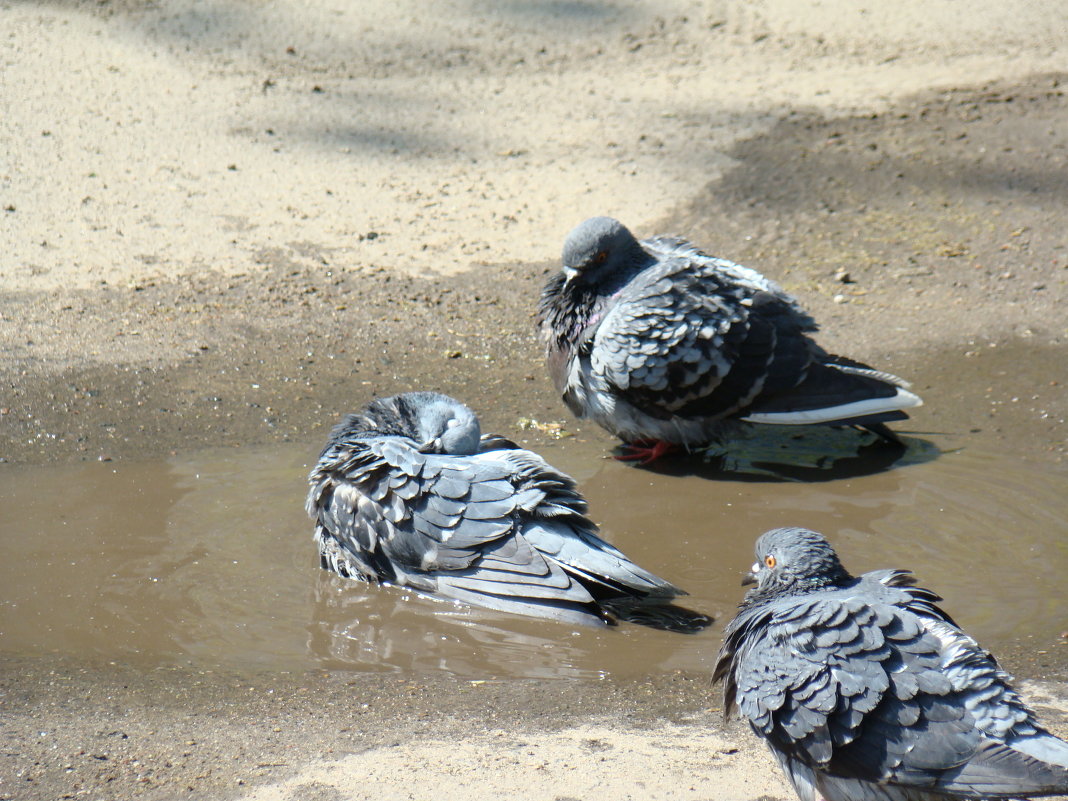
[[645, 451]]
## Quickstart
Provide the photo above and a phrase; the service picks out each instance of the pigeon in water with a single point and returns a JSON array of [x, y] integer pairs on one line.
[[408, 493], [865, 690], [664, 346]]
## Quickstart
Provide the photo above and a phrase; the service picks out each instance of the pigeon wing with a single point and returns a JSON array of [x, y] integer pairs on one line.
[[579, 551], [551, 519], [686, 337], [842, 684], [857, 688], [446, 524], [668, 247]]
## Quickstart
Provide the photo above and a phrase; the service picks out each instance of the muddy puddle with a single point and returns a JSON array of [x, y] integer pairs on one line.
[[207, 560]]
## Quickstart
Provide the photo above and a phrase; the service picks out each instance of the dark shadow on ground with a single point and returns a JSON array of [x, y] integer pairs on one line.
[[962, 182]]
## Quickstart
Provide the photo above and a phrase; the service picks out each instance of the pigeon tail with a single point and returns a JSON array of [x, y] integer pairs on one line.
[[652, 612], [839, 394], [1046, 748], [1023, 768], [551, 608], [657, 615]]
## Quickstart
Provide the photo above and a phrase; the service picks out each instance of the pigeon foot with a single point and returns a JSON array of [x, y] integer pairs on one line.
[[645, 451]]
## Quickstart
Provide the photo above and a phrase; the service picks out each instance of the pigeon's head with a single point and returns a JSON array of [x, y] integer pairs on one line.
[[793, 557], [600, 247], [438, 423], [444, 425]]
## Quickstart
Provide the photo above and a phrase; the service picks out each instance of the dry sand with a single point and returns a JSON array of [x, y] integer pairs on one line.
[[151, 139]]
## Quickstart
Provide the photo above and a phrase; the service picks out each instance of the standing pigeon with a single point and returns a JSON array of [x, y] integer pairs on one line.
[[865, 690], [406, 492], [662, 345]]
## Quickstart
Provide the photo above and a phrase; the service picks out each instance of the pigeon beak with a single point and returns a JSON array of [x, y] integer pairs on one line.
[[431, 446], [569, 273], [752, 576]]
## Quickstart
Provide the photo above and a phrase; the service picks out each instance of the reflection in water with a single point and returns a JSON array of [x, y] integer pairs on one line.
[[209, 561], [390, 628], [964, 523], [799, 453]]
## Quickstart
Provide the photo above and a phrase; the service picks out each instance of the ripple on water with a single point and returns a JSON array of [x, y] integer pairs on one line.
[[208, 560]]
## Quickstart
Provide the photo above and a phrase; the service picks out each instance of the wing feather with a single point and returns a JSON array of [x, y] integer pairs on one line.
[[876, 684], [688, 337], [499, 525]]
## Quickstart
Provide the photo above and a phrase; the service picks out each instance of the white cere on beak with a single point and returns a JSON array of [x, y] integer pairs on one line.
[[569, 273], [755, 568]]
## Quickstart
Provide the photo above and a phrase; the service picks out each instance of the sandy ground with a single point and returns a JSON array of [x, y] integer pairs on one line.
[[148, 140], [226, 223], [108, 731]]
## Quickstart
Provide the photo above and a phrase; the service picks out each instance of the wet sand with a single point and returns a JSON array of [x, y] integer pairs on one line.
[[229, 225]]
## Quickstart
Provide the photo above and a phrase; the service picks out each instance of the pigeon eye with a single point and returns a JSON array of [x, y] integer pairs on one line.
[[601, 257], [769, 560]]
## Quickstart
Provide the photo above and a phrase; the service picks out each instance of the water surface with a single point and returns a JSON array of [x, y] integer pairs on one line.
[[207, 560]]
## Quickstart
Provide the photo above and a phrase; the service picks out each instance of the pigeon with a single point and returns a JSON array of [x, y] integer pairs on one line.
[[408, 492], [865, 690], [667, 347]]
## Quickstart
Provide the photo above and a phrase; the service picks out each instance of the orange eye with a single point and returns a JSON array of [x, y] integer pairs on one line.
[[769, 560], [601, 257]]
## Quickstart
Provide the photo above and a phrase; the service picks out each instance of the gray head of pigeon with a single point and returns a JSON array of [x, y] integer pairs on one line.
[[793, 561], [444, 425], [601, 248]]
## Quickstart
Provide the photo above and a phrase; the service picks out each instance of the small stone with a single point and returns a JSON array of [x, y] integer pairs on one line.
[[840, 299]]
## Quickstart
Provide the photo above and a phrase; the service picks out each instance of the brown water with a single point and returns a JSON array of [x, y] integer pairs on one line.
[[208, 561]]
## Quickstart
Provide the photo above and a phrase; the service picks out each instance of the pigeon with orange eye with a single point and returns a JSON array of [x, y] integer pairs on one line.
[[866, 690], [752, 576]]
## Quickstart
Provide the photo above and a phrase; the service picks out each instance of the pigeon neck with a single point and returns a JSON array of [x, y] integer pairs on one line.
[[803, 586], [567, 308], [365, 426], [401, 416]]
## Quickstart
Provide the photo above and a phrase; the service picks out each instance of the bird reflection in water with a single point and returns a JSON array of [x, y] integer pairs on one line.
[[383, 629], [801, 453]]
